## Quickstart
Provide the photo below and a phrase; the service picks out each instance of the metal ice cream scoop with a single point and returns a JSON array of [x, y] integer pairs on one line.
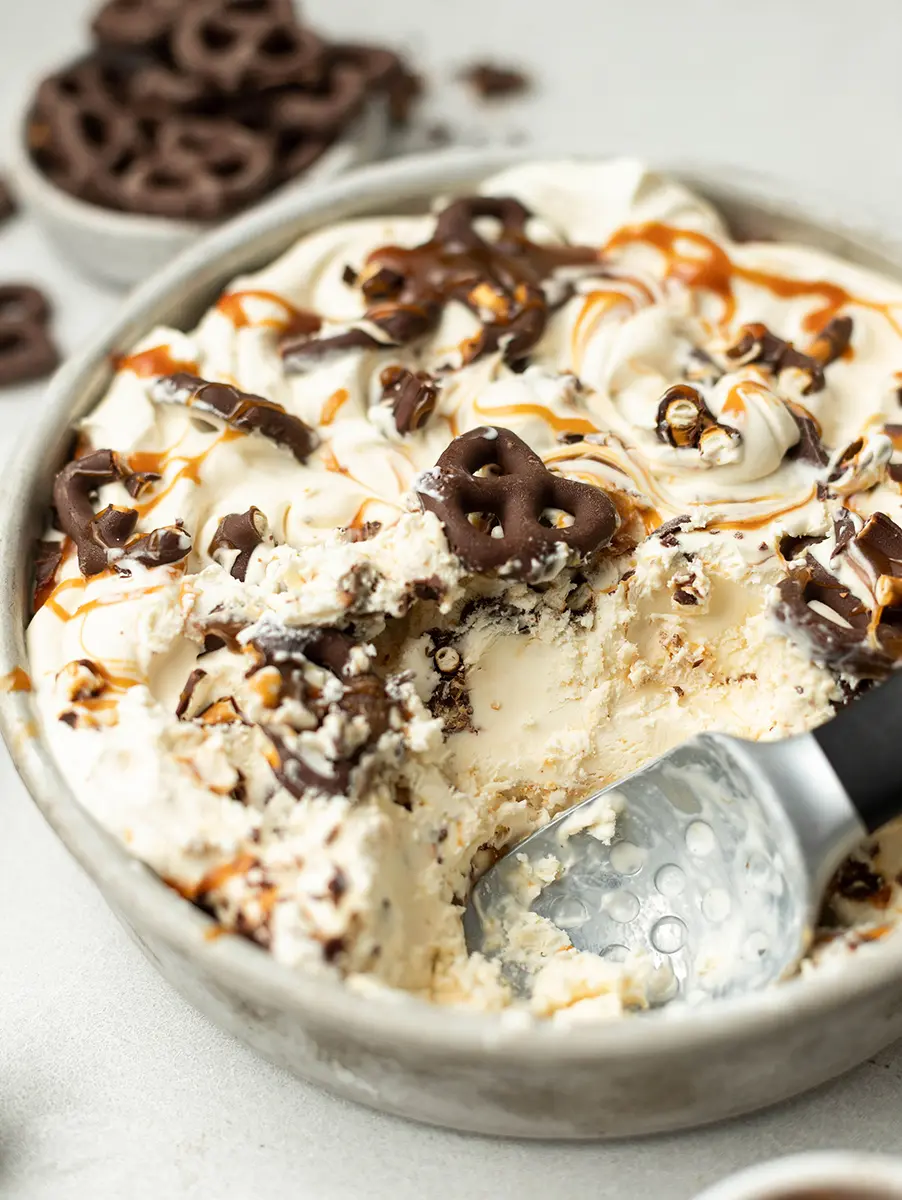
[[721, 854]]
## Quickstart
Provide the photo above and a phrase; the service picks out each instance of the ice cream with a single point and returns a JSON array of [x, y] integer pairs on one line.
[[441, 522]]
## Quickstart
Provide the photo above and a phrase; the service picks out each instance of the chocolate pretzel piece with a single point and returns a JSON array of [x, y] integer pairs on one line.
[[203, 168], [756, 344], [97, 534], [515, 497], [239, 410], [242, 532], [26, 348], [241, 45], [500, 281]]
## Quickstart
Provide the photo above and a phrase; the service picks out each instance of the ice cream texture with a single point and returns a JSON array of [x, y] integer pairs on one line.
[[442, 522]]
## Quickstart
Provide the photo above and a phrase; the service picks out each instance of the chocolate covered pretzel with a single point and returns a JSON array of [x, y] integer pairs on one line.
[[500, 281], [27, 350], [495, 498], [272, 94]]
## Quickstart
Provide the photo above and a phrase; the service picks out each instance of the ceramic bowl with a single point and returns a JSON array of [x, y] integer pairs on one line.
[[833, 1176], [122, 248], [663, 1070]]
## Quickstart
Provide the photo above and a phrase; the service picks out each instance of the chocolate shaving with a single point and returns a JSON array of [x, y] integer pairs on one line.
[[242, 532], [188, 692], [239, 410], [514, 499], [500, 281], [412, 396], [667, 533]]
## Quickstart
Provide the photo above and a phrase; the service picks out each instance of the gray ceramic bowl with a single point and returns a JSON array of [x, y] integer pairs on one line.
[[124, 249], [663, 1070]]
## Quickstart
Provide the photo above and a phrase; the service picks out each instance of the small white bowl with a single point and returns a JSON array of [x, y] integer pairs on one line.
[[122, 248], [828, 1176]]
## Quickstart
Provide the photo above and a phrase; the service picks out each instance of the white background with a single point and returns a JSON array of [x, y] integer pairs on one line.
[[109, 1084]]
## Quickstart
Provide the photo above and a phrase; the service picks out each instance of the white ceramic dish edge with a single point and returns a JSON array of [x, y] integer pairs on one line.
[[798, 1174], [476, 1072], [123, 249]]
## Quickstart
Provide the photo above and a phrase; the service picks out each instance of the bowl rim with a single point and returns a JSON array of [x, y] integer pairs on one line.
[[368, 128], [811, 1169], [395, 1019]]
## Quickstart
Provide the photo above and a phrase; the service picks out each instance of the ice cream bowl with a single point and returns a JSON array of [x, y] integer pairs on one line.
[[834, 1175], [486, 1073], [121, 249]]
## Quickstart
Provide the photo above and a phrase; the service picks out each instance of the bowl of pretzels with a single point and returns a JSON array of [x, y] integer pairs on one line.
[[180, 115]]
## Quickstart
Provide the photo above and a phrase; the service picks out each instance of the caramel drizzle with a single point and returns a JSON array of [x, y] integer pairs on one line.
[[332, 406], [712, 270], [295, 322], [157, 360], [156, 462], [556, 423], [215, 878], [644, 484], [16, 680]]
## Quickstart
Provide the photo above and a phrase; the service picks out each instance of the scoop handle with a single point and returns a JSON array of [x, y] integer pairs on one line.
[[863, 744]]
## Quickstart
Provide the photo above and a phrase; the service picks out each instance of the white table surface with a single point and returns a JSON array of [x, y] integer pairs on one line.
[[110, 1085]]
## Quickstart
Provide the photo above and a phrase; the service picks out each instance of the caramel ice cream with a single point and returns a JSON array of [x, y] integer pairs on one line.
[[440, 523]]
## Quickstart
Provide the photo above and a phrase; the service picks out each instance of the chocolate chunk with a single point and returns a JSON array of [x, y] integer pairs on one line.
[[365, 697], [412, 396], [500, 281], [857, 880], [159, 548], [242, 532], [880, 544], [756, 344], [239, 410], [681, 596], [491, 81], [515, 499], [809, 448], [791, 547]]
